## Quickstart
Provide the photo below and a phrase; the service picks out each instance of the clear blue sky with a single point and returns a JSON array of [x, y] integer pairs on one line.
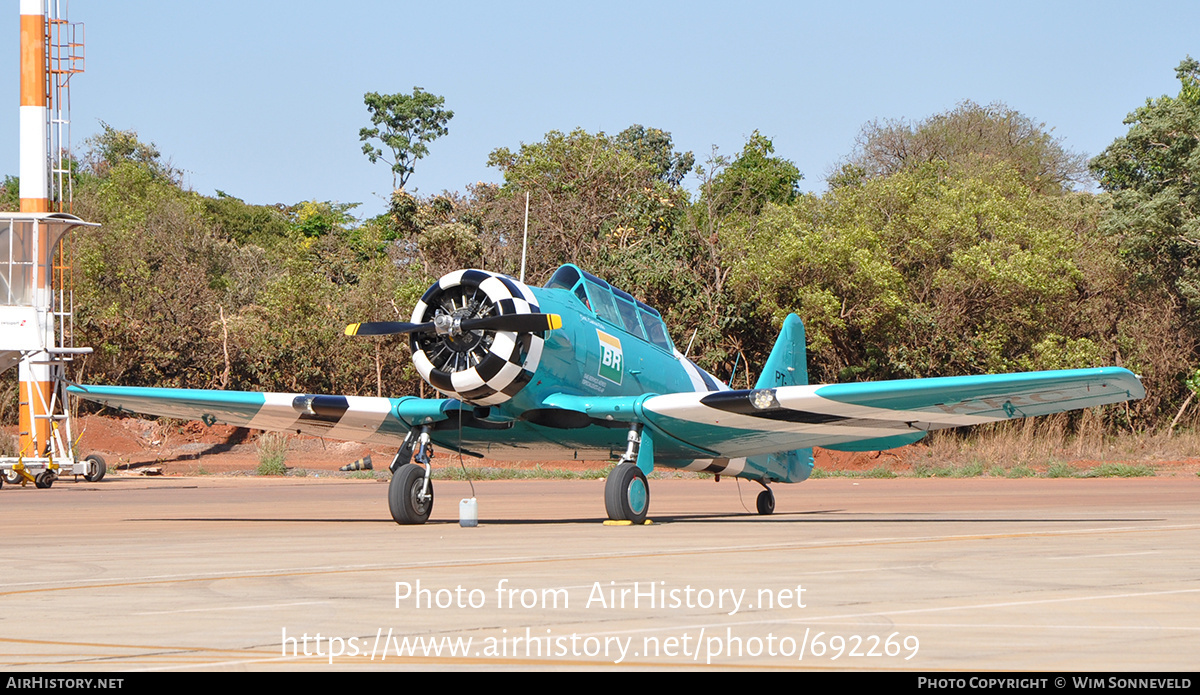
[[264, 99]]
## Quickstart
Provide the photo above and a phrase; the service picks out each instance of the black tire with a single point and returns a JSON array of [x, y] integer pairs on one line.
[[766, 502], [96, 468], [627, 494], [404, 495], [11, 477], [43, 480]]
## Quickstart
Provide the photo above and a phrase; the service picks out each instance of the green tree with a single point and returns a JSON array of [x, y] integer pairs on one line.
[[150, 280], [654, 146], [971, 138], [261, 225], [754, 179], [924, 274], [1153, 174], [592, 199], [404, 124], [110, 147], [736, 191], [10, 193]]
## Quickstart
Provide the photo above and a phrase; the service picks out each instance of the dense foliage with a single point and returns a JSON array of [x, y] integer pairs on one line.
[[955, 245]]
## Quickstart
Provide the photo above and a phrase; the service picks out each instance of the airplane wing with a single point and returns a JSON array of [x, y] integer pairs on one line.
[[867, 416], [383, 421], [871, 416]]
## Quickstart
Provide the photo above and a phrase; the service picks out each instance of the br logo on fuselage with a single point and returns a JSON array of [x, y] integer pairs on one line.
[[612, 359]]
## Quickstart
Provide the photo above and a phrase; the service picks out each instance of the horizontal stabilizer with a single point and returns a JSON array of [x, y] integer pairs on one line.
[[880, 444]]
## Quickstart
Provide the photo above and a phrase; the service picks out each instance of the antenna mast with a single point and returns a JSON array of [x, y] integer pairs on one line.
[[525, 238]]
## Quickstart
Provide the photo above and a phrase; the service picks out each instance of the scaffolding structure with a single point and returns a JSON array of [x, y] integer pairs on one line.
[[64, 58], [36, 299], [36, 334]]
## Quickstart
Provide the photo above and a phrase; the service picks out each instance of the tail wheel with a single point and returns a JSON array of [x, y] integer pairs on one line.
[[766, 502], [627, 494]]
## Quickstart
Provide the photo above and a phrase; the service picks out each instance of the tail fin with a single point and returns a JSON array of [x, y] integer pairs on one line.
[[788, 363], [787, 366]]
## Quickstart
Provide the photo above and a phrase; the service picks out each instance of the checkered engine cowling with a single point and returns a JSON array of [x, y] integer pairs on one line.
[[483, 367]]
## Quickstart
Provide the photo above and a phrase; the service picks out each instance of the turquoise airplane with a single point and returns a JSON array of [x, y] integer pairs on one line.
[[579, 369]]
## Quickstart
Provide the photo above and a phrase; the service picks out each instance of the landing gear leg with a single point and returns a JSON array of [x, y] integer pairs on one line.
[[404, 454], [410, 494], [766, 500], [626, 492]]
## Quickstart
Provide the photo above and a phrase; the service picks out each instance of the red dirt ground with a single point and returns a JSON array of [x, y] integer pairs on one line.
[[171, 447]]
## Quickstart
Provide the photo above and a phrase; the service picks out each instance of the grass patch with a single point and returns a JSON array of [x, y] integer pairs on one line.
[[362, 475], [880, 471], [1034, 443], [535, 473], [272, 450], [819, 473], [1118, 470], [1020, 471]]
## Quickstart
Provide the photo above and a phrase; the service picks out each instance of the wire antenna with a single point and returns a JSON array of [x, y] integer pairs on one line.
[[525, 238]]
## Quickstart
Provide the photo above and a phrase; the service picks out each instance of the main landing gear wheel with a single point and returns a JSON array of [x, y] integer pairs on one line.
[[766, 502], [404, 495], [96, 468], [626, 494]]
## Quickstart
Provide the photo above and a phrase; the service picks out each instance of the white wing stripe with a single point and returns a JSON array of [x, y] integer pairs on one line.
[[276, 413], [805, 398], [686, 406], [364, 416]]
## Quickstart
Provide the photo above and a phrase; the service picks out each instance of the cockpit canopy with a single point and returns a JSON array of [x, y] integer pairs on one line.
[[610, 304]]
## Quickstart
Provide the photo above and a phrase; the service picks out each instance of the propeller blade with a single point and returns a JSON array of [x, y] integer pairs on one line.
[[387, 328], [517, 323]]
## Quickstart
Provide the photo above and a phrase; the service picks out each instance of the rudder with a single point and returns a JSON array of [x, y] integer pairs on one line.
[[788, 363], [786, 366]]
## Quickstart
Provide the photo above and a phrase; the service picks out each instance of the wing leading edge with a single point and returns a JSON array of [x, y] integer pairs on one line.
[[354, 418], [870, 416]]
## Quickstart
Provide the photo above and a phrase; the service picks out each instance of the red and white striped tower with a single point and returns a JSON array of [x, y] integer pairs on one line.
[[34, 373]]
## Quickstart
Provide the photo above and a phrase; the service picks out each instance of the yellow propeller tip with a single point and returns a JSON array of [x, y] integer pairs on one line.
[[555, 321], [352, 329]]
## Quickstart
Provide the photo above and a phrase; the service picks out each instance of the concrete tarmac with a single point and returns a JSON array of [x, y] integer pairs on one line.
[[903, 574]]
